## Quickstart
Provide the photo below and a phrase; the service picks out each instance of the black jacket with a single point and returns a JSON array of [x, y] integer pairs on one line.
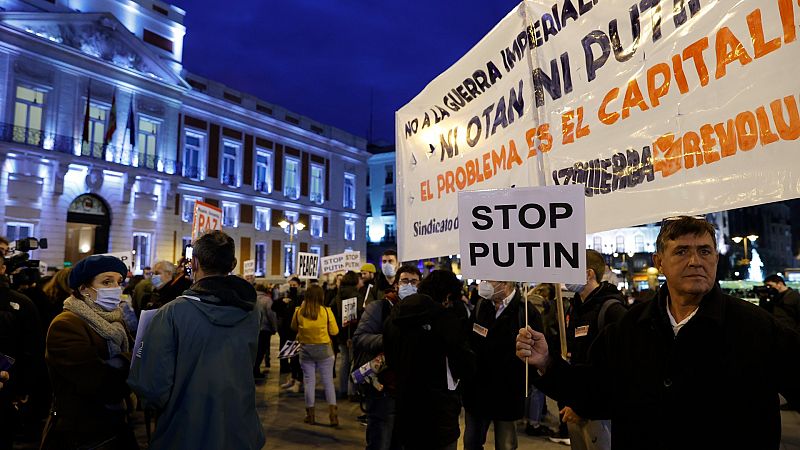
[[284, 311], [715, 385], [496, 391], [20, 338], [787, 309], [344, 293], [586, 314], [420, 336]]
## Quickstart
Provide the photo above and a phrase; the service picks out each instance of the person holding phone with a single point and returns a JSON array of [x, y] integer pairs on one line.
[[88, 357]]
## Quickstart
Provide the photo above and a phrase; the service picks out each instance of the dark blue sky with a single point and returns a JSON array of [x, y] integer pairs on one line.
[[321, 58]]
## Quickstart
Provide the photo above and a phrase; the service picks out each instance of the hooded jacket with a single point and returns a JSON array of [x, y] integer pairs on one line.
[[422, 339], [584, 315], [196, 368]]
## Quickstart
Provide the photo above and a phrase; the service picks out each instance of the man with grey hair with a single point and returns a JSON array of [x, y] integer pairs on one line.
[[167, 285], [691, 369]]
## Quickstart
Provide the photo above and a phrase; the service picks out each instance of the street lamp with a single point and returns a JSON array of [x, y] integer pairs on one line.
[[738, 239], [291, 227]]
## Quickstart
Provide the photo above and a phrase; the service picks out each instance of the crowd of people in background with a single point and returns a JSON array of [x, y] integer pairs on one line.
[[424, 353]]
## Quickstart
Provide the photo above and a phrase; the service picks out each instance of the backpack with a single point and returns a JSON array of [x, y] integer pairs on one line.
[[601, 318]]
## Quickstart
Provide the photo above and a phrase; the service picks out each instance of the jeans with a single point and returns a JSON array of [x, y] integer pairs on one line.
[[537, 400], [325, 367], [590, 435], [380, 421], [345, 363], [475, 429]]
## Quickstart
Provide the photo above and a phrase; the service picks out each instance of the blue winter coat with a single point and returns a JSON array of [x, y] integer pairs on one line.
[[196, 368]]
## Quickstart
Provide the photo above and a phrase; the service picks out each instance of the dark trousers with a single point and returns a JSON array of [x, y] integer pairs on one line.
[[262, 354], [380, 421]]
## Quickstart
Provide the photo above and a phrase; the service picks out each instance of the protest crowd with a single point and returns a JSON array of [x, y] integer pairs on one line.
[[434, 362]]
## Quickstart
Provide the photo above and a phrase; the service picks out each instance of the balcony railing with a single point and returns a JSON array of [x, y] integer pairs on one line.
[[69, 145], [316, 197], [291, 192], [264, 187], [229, 179], [192, 172]]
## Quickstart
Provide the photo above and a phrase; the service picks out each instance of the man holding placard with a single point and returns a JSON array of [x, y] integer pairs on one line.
[[692, 369]]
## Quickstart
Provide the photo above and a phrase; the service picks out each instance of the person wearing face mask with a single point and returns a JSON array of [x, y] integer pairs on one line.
[[596, 304], [426, 343], [367, 344], [494, 395], [348, 289], [168, 284], [88, 357], [389, 265], [284, 310]]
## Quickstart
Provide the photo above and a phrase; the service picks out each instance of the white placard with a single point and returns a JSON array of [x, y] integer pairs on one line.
[[349, 311], [126, 257], [307, 265], [249, 267], [341, 262], [206, 218], [42, 268], [289, 349], [524, 234], [655, 111]]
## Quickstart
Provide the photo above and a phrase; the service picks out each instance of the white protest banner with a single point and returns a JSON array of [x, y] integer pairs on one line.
[[206, 218], [249, 267], [556, 95], [349, 313], [333, 263], [307, 265], [352, 261], [126, 257], [524, 234]]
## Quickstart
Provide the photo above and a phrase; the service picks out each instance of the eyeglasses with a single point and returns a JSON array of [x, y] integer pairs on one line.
[[409, 281]]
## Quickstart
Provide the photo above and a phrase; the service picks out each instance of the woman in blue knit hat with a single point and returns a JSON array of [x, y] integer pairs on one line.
[[88, 357]]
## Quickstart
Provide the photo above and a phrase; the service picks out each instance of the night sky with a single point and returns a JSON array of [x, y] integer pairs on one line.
[[321, 59]]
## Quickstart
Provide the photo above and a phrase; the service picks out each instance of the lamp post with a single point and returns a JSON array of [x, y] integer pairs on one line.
[[291, 227], [738, 239]]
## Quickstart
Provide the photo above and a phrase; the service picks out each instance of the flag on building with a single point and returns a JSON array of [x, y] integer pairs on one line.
[[131, 125], [112, 121], [85, 138]]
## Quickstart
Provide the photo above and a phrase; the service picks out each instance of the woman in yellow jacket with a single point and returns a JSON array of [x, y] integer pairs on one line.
[[315, 324]]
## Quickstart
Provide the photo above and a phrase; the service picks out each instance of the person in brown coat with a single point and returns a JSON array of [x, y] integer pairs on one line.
[[88, 358]]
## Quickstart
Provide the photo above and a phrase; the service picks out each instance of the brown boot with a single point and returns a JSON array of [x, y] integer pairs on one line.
[[310, 416], [334, 415]]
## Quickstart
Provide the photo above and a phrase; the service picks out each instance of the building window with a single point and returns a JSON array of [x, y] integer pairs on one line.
[[350, 230], [288, 259], [192, 155], [389, 175], [388, 199], [28, 113], [639, 243], [315, 249], [146, 143], [291, 217], [230, 156], [96, 131], [262, 218], [261, 258], [317, 178], [349, 191], [230, 214], [390, 232], [18, 230], [316, 226], [620, 244], [598, 244], [141, 252], [264, 172], [187, 206], [291, 179]]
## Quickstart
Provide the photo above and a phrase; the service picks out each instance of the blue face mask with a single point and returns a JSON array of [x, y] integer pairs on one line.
[[156, 280], [576, 288], [406, 290], [108, 298]]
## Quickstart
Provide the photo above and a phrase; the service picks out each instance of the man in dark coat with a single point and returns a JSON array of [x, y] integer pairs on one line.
[[691, 369], [284, 310], [495, 394], [786, 303]]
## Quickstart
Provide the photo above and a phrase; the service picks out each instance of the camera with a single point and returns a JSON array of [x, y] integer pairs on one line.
[[21, 270]]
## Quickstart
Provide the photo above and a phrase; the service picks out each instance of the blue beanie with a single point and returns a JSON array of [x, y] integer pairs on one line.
[[88, 268]]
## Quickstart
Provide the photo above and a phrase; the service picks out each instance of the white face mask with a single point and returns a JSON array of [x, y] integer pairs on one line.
[[486, 290], [388, 269], [405, 290], [108, 298]]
